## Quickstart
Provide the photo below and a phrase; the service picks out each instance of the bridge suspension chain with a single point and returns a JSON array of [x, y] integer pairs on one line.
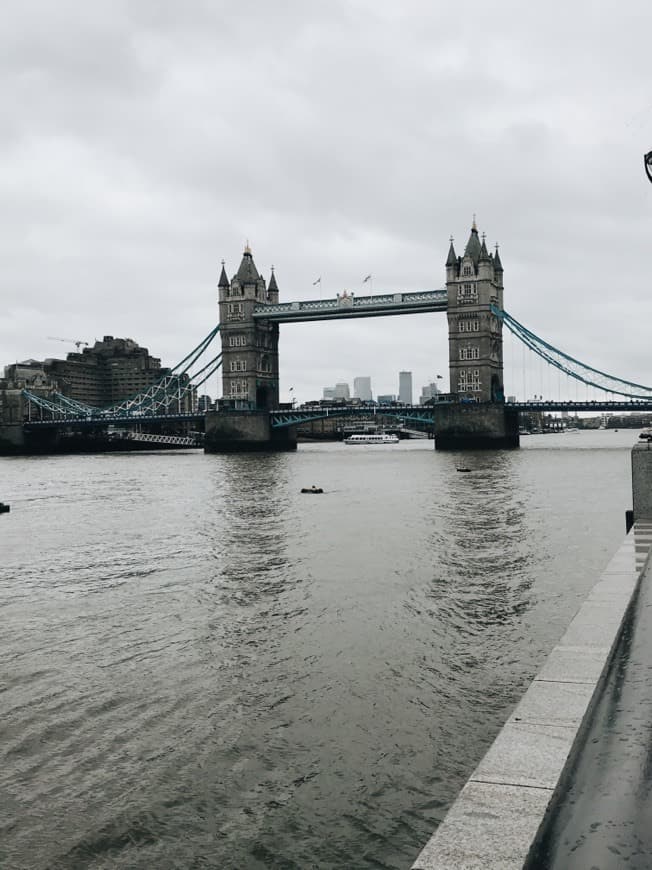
[[573, 367], [196, 353], [156, 399]]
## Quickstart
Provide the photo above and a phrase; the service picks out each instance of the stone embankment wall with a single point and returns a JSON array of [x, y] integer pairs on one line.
[[495, 821]]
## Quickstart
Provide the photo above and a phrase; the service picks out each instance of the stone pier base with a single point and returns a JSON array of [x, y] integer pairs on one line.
[[245, 431], [15, 441], [475, 427], [12, 439]]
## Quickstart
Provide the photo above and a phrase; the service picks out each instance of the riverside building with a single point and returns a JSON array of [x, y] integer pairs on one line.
[[111, 371]]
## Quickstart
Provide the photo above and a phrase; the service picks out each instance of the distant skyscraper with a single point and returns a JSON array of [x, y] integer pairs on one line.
[[428, 392], [405, 387], [329, 393], [362, 389], [386, 400], [342, 391]]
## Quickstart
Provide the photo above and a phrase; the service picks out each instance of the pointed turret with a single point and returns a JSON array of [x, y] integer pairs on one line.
[[484, 253], [247, 273], [224, 281], [473, 247], [451, 260], [272, 289], [498, 266]]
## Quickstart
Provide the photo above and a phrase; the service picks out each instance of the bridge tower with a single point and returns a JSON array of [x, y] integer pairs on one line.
[[249, 347], [474, 282]]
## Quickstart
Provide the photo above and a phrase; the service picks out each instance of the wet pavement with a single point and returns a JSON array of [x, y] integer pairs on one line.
[[603, 816]]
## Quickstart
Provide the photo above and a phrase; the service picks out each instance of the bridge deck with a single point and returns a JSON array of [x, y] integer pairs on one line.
[[296, 416]]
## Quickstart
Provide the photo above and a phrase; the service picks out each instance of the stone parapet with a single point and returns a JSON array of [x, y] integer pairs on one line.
[[494, 822]]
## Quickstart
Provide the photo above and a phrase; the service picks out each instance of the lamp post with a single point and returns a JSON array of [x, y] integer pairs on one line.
[[647, 163]]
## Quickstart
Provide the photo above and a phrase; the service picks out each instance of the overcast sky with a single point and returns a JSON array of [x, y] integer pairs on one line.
[[144, 141]]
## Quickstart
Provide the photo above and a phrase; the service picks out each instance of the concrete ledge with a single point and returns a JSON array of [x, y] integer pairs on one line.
[[485, 828], [494, 821], [642, 480]]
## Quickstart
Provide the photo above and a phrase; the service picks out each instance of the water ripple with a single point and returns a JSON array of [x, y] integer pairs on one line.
[[202, 668]]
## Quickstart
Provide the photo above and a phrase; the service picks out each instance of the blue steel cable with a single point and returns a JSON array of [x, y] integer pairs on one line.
[[545, 350]]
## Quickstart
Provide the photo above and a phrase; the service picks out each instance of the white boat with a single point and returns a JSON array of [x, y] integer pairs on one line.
[[381, 438]]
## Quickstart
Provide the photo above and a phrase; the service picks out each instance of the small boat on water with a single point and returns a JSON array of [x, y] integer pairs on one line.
[[378, 438], [646, 435], [317, 490], [4, 508]]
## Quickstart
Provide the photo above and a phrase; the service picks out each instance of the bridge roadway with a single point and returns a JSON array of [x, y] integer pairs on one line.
[[293, 417], [296, 416], [103, 420]]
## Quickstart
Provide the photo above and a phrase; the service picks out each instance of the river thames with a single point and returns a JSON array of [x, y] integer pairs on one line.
[[204, 668]]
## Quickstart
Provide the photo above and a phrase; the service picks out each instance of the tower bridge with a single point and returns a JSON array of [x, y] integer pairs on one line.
[[250, 314]]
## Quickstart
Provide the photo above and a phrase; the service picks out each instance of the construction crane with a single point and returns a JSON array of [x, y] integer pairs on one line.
[[77, 344]]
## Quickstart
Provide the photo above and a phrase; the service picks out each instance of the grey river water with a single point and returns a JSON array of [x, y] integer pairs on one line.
[[203, 668]]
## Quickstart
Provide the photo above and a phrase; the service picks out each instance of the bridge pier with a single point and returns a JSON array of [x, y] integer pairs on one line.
[[245, 431], [475, 427], [14, 440]]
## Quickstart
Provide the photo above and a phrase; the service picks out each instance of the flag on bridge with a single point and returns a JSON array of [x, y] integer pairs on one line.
[[318, 281], [368, 278]]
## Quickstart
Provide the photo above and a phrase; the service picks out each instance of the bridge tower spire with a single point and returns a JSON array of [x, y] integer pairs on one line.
[[474, 282], [249, 347]]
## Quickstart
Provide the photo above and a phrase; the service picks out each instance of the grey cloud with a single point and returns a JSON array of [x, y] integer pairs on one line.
[[141, 143]]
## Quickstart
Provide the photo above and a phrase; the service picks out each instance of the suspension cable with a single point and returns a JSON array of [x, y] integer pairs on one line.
[[566, 363]]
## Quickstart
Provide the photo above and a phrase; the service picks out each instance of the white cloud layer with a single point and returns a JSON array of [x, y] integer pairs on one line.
[[143, 142]]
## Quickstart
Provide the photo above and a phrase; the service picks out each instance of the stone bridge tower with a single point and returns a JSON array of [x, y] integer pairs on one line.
[[249, 347], [474, 282]]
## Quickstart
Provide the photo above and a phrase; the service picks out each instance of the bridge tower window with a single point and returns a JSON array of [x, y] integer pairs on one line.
[[467, 293], [470, 352]]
